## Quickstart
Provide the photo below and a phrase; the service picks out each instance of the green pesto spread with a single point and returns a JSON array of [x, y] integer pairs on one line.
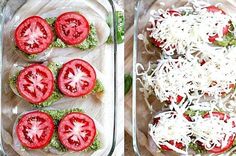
[[54, 67], [12, 81], [91, 41], [99, 88], [228, 40], [197, 148], [55, 142], [28, 56], [120, 21], [51, 21], [192, 113]]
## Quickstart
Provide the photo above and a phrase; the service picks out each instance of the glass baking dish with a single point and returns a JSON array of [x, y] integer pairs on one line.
[[141, 113], [11, 106]]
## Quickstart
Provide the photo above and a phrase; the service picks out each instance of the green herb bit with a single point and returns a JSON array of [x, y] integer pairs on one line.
[[197, 148], [128, 83], [51, 20]]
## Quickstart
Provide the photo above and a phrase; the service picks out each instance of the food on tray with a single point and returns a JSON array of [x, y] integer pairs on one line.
[[35, 36], [174, 131], [42, 85], [63, 64], [56, 131], [193, 79], [182, 31]]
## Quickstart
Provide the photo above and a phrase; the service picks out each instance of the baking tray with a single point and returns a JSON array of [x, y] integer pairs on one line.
[[103, 111], [141, 113]]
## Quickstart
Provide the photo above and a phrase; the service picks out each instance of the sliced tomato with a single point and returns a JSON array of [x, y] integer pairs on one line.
[[225, 30], [178, 99], [153, 40], [214, 9], [35, 130], [76, 131], [33, 35], [221, 116], [202, 62], [76, 78], [72, 28], [231, 87], [178, 145], [35, 83]]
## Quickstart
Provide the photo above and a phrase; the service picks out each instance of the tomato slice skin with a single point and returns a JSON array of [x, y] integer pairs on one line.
[[221, 116], [35, 130], [35, 83], [72, 28], [76, 78], [159, 43], [214, 9], [178, 99], [72, 127], [33, 35], [178, 145]]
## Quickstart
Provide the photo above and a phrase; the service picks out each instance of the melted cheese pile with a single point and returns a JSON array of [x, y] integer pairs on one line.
[[186, 34], [171, 126], [213, 132], [173, 77]]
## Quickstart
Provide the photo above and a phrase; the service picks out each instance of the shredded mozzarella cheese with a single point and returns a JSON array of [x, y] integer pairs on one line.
[[171, 126], [202, 74], [185, 34]]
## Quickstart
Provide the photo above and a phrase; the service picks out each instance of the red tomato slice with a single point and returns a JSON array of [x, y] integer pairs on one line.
[[76, 131], [33, 35], [231, 86], [35, 130], [225, 30], [35, 83], [72, 28], [178, 99], [214, 9], [231, 139], [178, 145], [159, 43], [76, 78]]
